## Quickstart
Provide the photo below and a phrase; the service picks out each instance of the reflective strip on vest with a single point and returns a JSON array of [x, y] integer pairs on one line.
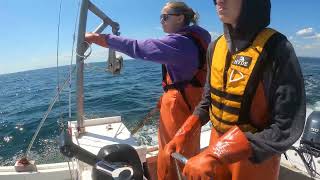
[[228, 94]]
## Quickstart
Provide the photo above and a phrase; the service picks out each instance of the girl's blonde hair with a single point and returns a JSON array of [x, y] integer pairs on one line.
[[182, 8]]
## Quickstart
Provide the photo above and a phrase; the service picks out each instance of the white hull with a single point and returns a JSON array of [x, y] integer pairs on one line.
[[106, 131]]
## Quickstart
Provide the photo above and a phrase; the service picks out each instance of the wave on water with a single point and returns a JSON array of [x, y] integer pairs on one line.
[[25, 96]]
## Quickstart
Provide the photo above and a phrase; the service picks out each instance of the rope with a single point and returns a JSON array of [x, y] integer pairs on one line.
[[53, 101], [145, 120], [60, 121], [71, 61], [70, 79], [72, 52], [70, 168], [95, 68], [85, 56], [58, 44]]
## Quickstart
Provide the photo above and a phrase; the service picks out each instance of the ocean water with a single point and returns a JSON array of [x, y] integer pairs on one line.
[[25, 97]]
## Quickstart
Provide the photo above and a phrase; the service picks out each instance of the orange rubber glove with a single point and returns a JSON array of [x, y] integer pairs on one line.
[[233, 146], [183, 135], [99, 39], [187, 131]]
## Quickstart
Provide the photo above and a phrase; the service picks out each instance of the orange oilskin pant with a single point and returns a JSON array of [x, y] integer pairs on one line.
[[173, 113], [245, 169]]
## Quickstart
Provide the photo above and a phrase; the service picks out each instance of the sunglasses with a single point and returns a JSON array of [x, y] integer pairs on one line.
[[165, 17]]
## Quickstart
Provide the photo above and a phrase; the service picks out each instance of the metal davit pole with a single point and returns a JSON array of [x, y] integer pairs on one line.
[[86, 5], [81, 48]]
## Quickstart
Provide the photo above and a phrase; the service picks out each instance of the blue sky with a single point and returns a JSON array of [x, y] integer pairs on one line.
[[29, 28]]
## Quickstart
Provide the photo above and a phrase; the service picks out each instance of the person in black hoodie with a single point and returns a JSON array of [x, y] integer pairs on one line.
[[254, 97]]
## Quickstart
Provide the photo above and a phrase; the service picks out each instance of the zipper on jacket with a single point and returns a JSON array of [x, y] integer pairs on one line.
[[226, 68]]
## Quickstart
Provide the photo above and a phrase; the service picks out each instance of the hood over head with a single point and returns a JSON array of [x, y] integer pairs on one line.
[[254, 16]]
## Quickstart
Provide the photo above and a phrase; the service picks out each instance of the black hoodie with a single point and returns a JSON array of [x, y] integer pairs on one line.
[[281, 77], [254, 16]]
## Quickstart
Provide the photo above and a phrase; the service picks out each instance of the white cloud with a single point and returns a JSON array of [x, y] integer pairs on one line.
[[307, 32], [309, 46], [306, 42], [307, 50], [316, 36], [303, 46]]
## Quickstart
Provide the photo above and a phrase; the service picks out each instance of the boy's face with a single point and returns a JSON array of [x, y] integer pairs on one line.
[[228, 10]]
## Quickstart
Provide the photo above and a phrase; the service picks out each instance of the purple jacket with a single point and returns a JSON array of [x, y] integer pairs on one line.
[[177, 52]]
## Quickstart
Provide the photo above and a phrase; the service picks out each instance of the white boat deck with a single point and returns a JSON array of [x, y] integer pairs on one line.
[[106, 131], [295, 166], [58, 171]]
